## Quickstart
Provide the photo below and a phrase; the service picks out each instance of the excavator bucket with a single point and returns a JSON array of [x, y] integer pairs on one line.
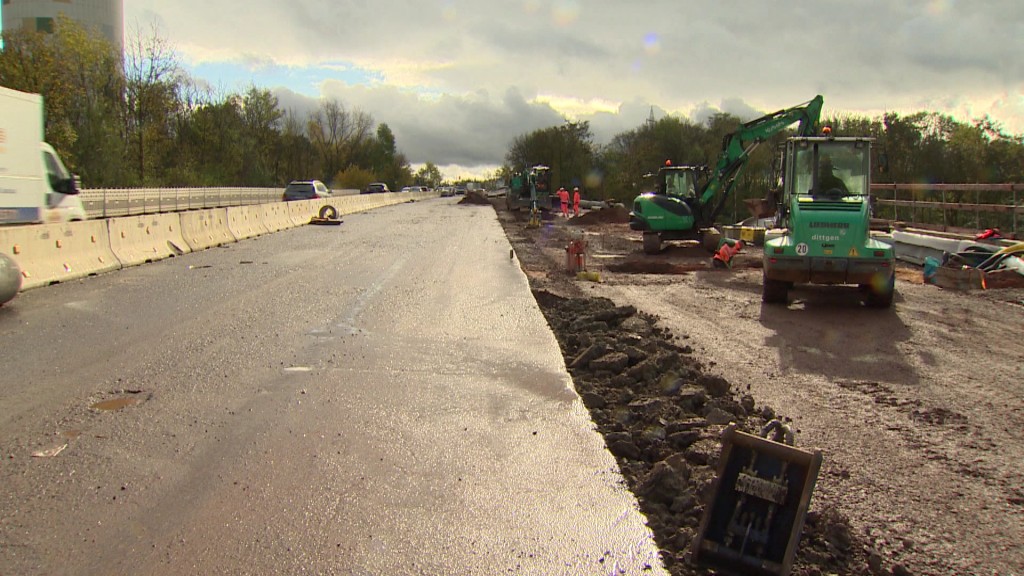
[[764, 207], [761, 207]]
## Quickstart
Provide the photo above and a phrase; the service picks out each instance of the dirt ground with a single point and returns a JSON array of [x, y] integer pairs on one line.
[[918, 410]]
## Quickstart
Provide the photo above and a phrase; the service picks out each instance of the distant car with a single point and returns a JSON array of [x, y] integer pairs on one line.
[[447, 191], [411, 189], [460, 190], [376, 188], [305, 190]]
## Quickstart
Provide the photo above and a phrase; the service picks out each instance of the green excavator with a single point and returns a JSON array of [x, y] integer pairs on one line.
[[529, 189], [681, 208]]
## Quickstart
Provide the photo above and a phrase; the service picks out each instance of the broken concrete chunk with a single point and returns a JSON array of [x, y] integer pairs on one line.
[[715, 385], [692, 399], [616, 314], [593, 400], [635, 354], [636, 325], [593, 352], [646, 371], [649, 407], [624, 449], [748, 404], [614, 362], [716, 416], [683, 440], [703, 452], [662, 484]]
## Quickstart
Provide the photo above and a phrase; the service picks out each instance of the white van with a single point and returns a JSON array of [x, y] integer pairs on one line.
[[34, 184]]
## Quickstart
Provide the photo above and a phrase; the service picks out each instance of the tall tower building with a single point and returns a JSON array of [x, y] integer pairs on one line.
[[105, 16]]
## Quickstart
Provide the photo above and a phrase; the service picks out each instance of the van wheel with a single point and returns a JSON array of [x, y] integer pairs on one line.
[[652, 243]]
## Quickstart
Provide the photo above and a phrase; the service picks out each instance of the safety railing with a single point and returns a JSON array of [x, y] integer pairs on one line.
[[946, 206], [114, 202]]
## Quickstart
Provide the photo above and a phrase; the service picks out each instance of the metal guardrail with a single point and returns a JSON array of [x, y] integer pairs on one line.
[[114, 202], [940, 202]]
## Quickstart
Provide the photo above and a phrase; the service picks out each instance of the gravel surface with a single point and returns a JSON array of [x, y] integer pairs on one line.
[[918, 410]]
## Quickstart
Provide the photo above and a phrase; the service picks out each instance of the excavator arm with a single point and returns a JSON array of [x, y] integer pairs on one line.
[[737, 147]]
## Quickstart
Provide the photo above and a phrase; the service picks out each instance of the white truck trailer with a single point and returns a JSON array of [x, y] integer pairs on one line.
[[35, 187]]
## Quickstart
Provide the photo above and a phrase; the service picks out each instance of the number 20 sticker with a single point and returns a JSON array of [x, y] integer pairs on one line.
[[802, 249]]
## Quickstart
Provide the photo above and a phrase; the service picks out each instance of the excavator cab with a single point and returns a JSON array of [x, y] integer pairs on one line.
[[678, 181]]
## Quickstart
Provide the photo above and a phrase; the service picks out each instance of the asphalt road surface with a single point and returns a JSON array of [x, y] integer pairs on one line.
[[380, 397]]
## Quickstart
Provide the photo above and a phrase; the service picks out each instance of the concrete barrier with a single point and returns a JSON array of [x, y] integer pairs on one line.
[[302, 210], [365, 202], [50, 253], [344, 204], [914, 248], [140, 239], [204, 229], [276, 216], [245, 222]]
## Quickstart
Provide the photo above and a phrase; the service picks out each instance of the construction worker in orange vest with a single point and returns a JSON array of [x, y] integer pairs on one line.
[[563, 196], [727, 248], [576, 201]]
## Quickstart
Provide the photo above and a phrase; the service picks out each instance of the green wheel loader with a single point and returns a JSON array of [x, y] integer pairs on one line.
[[825, 222]]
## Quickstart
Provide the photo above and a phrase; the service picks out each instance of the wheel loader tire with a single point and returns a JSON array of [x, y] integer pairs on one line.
[[652, 243], [328, 212], [774, 291], [881, 298]]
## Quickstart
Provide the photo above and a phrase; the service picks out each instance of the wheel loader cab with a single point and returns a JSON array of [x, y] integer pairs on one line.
[[830, 169]]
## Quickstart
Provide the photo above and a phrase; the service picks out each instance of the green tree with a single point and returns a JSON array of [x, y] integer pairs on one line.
[[567, 149], [634, 154], [297, 159], [218, 133], [261, 119], [77, 72], [428, 175], [390, 165], [353, 178]]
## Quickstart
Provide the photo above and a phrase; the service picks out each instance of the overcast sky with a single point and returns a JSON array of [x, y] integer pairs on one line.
[[456, 80]]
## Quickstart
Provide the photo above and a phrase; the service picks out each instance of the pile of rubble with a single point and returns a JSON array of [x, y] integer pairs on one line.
[[661, 415], [475, 197]]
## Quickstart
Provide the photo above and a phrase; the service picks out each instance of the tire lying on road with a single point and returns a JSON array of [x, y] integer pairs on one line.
[[328, 212]]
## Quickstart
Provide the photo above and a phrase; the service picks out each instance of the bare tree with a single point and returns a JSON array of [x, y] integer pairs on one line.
[[152, 77], [338, 135]]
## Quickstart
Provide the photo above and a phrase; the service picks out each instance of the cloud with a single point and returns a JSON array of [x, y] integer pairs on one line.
[[458, 79]]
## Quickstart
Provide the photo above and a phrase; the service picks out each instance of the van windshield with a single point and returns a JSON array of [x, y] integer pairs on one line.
[[55, 171]]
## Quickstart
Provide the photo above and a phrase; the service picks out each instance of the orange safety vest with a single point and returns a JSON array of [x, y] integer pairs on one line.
[[727, 251]]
